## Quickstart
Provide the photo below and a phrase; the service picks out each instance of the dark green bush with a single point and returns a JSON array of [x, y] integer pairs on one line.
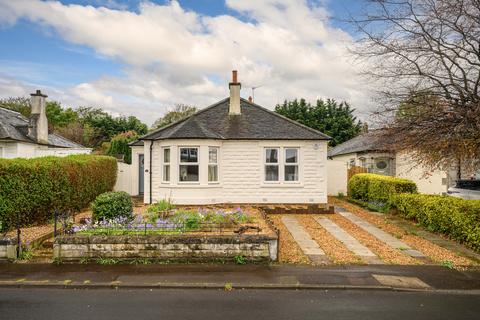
[[112, 205], [375, 191], [457, 218], [31, 189]]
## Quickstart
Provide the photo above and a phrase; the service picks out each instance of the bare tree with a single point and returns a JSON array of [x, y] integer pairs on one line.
[[425, 57]]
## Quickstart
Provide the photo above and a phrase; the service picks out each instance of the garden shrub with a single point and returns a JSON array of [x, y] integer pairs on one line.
[[375, 191], [111, 205], [31, 189], [457, 218]]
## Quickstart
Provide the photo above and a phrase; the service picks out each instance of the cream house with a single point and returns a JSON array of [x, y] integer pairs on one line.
[[22, 137], [370, 151], [233, 151]]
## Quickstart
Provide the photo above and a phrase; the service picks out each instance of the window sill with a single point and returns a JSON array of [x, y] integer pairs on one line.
[[282, 185], [190, 186]]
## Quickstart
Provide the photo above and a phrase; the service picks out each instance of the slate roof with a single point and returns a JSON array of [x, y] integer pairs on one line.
[[370, 141], [14, 126], [254, 123]]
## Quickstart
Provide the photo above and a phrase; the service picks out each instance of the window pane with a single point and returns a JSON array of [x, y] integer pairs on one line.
[[291, 155], [212, 155], [271, 155], [166, 172], [291, 173], [213, 172], [166, 155], [188, 155], [271, 173], [188, 173]]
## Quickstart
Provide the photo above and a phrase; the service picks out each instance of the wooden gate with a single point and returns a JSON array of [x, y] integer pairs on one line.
[[354, 170]]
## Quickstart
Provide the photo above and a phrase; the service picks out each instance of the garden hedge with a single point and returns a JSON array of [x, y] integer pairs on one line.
[[375, 191], [32, 189], [457, 218]]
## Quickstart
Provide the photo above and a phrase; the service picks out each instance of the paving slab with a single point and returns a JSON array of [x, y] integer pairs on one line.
[[350, 242], [382, 235], [401, 281], [309, 246]]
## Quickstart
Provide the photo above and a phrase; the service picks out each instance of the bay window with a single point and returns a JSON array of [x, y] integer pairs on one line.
[[166, 164], [212, 164], [189, 162]]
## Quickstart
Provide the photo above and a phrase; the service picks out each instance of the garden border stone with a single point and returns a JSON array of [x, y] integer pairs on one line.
[[8, 248], [255, 248]]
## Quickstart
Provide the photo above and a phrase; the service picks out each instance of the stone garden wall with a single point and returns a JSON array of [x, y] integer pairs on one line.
[[8, 248], [166, 247]]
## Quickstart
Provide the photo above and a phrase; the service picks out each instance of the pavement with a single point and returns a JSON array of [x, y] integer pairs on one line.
[[105, 304], [195, 276]]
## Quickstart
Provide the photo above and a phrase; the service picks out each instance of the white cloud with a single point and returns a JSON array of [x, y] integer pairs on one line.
[[172, 55]]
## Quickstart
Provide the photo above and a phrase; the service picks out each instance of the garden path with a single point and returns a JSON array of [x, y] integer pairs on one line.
[[305, 241]]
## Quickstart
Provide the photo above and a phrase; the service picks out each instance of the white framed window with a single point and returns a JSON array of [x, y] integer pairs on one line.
[[291, 165], [212, 164], [188, 164], [271, 164], [166, 164], [363, 162]]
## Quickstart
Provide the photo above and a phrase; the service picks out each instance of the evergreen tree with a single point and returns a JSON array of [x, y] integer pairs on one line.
[[332, 118]]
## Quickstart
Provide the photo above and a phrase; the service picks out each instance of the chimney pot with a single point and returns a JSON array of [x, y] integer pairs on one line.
[[234, 76], [250, 99]]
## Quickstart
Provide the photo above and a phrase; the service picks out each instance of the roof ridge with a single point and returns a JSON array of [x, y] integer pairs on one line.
[[145, 137], [285, 118]]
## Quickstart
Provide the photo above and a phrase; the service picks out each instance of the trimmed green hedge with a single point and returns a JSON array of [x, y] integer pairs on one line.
[[32, 188], [375, 191], [457, 218]]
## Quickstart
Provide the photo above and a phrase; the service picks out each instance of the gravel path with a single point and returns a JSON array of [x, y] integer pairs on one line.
[[433, 251], [289, 251], [336, 251], [383, 251]]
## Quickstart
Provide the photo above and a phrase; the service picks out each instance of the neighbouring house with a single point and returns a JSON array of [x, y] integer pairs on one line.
[[233, 151], [370, 151], [22, 137]]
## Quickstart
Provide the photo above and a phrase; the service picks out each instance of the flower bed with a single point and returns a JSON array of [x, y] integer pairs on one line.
[[175, 221], [183, 234]]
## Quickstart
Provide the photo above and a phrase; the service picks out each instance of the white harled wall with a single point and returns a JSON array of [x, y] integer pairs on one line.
[[241, 171], [12, 150]]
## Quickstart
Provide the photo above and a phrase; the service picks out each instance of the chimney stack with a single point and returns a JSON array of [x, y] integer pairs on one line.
[[38, 129], [234, 106]]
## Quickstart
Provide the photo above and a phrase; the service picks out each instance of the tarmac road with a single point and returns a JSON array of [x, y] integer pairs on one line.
[[32, 303]]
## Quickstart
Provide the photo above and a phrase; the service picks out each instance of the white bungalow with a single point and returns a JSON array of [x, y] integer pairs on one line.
[[233, 151], [29, 138]]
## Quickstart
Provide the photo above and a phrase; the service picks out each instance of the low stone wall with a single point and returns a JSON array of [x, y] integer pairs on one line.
[[166, 247], [8, 248]]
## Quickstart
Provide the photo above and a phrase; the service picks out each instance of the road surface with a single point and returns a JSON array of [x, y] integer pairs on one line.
[[237, 304]]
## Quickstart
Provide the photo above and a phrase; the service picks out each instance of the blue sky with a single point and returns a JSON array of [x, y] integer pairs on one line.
[[77, 69]]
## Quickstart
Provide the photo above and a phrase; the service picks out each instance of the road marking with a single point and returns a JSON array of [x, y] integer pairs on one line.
[[350, 242], [305, 242], [382, 235]]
